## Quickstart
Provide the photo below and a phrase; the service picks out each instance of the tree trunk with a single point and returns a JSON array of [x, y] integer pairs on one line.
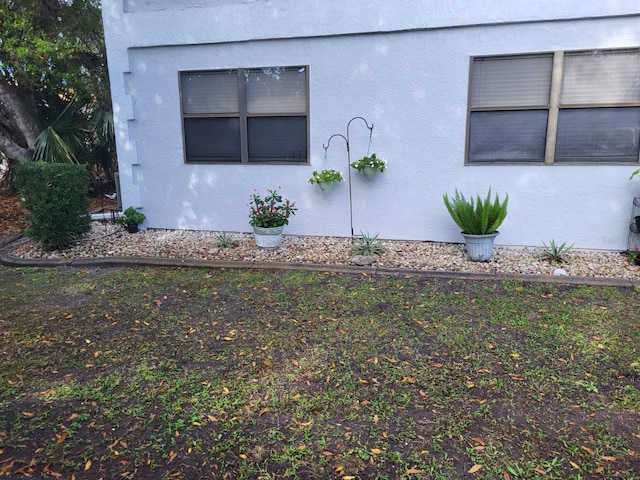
[[18, 113], [20, 126]]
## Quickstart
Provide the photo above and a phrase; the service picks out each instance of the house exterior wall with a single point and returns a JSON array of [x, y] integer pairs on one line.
[[404, 67]]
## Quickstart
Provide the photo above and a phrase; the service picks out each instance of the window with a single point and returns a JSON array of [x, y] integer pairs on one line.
[[252, 115], [555, 108]]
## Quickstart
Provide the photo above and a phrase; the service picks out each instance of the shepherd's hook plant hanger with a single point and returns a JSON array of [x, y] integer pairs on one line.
[[346, 140]]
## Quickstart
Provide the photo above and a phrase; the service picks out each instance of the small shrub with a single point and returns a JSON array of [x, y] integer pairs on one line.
[[556, 253], [55, 196], [368, 245], [225, 241], [131, 216]]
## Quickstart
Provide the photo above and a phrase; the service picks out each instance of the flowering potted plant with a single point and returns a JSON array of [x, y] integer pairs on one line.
[[325, 178], [268, 216], [369, 165]]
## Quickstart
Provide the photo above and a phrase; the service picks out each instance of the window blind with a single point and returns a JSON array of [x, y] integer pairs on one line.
[[210, 92], [276, 90], [511, 81], [601, 77]]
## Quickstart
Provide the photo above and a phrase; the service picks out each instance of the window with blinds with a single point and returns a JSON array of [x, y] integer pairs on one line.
[[553, 108], [256, 115]]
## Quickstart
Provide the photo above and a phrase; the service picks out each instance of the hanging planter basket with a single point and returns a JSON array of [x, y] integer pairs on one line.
[[326, 178], [325, 186], [369, 171]]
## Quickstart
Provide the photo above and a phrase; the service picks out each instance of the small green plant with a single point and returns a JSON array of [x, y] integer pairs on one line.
[[373, 162], [272, 211], [55, 195], [368, 245], [225, 241], [633, 254], [635, 172], [329, 175], [131, 216], [477, 217], [556, 253]]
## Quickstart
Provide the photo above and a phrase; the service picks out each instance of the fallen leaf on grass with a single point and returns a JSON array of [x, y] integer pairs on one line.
[[474, 469], [609, 459], [413, 471], [574, 465], [587, 449], [540, 471], [87, 465]]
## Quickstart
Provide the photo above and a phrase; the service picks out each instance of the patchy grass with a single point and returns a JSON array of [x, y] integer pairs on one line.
[[179, 373]]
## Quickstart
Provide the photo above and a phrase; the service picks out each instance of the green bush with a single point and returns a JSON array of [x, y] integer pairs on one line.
[[55, 196]]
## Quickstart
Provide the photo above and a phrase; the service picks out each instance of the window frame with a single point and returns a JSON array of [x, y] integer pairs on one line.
[[554, 107], [243, 117]]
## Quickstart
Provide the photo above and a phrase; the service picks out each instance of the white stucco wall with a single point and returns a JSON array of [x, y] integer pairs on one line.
[[404, 66]]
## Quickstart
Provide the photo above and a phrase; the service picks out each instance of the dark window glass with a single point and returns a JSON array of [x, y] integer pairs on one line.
[[507, 136], [277, 139], [598, 134], [212, 139]]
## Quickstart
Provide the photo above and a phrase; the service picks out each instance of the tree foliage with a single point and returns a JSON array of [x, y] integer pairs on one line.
[[54, 92], [54, 46]]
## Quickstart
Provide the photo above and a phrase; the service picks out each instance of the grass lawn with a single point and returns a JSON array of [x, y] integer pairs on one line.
[[151, 373]]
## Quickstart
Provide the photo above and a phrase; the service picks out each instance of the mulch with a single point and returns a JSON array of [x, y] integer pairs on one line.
[[12, 215], [12, 221]]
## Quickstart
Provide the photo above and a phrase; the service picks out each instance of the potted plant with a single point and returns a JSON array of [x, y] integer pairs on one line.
[[368, 166], [479, 220], [268, 217], [132, 218], [325, 178]]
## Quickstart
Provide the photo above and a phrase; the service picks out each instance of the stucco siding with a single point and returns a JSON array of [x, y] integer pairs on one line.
[[409, 81]]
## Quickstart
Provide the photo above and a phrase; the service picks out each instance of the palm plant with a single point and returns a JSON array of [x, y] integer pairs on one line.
[[77, 131]]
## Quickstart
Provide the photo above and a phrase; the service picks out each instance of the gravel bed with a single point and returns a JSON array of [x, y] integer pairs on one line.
[[110, 240]]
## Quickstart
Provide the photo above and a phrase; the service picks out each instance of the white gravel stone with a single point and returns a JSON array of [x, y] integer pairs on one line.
[[110, 240]]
